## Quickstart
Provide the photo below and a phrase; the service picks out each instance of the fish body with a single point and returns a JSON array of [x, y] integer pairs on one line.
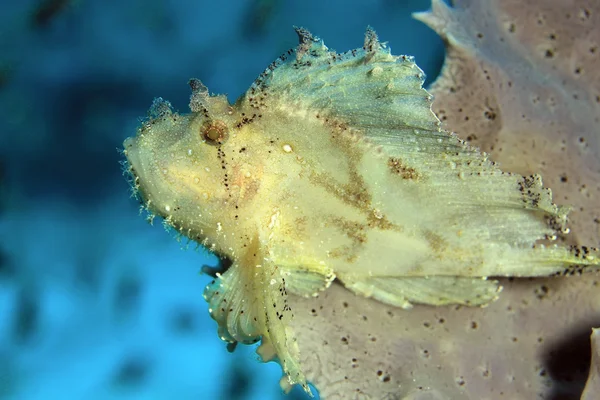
[[334, 166]]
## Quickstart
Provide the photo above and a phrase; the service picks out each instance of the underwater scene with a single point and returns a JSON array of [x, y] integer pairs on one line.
[[266, 199]]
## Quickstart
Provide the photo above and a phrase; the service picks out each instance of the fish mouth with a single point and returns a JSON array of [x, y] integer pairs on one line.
[[132, 162], [148, 178], [134, 170]]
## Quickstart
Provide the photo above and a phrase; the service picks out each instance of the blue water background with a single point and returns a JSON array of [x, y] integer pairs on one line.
[[94, 302]]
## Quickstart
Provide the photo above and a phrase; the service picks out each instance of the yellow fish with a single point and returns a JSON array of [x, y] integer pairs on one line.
[[334, 166]]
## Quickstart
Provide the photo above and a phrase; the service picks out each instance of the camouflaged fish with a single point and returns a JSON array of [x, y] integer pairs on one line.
[[334, 166]]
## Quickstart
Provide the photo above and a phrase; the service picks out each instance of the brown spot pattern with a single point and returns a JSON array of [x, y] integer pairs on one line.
[[397, 167]]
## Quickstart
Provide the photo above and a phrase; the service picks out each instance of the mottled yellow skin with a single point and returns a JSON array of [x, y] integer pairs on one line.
[[333, 166]]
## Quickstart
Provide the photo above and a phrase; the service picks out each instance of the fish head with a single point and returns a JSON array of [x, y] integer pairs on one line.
[[178, 166]]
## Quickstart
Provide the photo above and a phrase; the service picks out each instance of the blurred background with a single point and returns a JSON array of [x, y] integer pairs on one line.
[[95, 303]]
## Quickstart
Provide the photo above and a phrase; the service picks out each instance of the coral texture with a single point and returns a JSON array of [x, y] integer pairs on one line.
[[520, 82], [531, 343], [592, 387]]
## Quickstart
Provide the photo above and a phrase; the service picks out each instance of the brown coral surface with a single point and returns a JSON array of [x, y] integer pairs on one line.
[[520, 81], [592, 387], [533, 343]]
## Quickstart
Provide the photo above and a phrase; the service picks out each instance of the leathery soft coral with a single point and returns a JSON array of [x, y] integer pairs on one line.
[[520, 81]]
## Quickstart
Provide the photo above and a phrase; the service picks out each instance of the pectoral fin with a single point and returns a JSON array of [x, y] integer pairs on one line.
[[249, 303], [307, 280], [433, 290]]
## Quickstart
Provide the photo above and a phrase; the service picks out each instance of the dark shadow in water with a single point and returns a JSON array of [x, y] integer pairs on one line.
[[25, 317], [81, 160], [567, 362], [133, 371]]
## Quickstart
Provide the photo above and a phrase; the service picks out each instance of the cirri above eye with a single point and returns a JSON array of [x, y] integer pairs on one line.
[[214, 132]]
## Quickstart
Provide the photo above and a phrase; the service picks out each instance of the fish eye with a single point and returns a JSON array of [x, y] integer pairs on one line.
[[214, 132]]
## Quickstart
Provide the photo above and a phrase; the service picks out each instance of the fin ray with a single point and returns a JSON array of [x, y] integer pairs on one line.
[[433, 290], [307, 280], [249, 302]]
